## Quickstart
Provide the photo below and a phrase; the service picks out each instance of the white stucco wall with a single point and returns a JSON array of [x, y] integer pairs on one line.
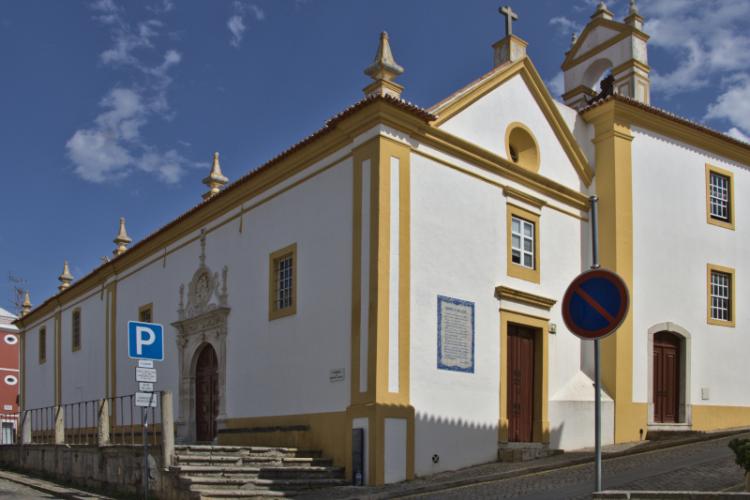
[[485, 121], [40, 387], [278, 367], [459, 250], [673, 243], [83, 370]]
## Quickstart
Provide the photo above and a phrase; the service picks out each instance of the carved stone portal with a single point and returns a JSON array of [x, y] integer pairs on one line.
[[203, 320]]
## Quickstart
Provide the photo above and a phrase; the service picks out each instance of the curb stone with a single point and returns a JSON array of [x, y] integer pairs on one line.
[[51, 488], [535, 469]]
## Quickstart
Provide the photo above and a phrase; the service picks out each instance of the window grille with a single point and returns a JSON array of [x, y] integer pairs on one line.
[[42, 345], [522, 246], [721, 306], [76, 336], [719, 196], [284, 286]]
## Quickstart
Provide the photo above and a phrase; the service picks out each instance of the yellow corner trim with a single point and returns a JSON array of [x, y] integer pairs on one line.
[[710, 269], [517, 270], [712, 220]]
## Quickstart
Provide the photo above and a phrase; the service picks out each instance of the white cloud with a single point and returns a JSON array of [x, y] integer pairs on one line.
[[556, 85], [236, 22], [565, 25], [738, 134], [236, 26], [113, 146], [734, 105], [704, 37]]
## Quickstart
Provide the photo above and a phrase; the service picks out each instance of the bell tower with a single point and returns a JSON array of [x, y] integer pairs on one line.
[[606, 45]]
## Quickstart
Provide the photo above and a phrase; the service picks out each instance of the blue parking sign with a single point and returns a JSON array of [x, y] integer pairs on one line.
[[145, 340]]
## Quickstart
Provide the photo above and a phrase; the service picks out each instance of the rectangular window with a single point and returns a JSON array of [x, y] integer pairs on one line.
[[283, 282], [720, 295], [76, 330], [719, 197], [522, 234], [42, 345], [146, 313], [523, 244]]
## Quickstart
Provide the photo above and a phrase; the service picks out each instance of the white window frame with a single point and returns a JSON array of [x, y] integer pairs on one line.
[[520, 248]]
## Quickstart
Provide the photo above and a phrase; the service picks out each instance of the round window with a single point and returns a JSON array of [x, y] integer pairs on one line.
[[11, 379], [11, 339], [521, 147]]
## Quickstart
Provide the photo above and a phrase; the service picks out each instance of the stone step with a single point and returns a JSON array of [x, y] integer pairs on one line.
[[249, 460], [232, 449], [217, 494], [215, 470], [223, 483], [290, 472], [312, 471]]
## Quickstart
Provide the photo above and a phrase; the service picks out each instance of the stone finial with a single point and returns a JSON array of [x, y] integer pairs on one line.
[[122, 239], [215, 180], [602, 12], [573, 39], [383, 70], [634, 18], [26, 306], [65, 278]]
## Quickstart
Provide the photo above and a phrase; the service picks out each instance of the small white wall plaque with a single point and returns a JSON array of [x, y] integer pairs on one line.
[[336, 375]]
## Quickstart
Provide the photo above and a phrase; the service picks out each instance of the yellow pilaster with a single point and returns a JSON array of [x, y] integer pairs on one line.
[[613, 140], [377, 403], [58, 358]]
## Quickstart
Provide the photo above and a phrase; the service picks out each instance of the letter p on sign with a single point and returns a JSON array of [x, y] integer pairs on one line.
[[145, 341]]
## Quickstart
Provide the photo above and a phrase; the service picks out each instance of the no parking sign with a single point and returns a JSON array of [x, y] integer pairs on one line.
[[595, 304]]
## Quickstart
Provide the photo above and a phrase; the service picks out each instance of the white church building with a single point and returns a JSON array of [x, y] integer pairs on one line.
[[398, 276]]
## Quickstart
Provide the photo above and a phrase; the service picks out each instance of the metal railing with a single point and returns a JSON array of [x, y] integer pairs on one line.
[[109, 421], [81, 420], [41, 422], [126, 421]]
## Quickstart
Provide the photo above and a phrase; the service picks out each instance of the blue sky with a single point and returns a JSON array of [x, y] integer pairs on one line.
[[111, 108]]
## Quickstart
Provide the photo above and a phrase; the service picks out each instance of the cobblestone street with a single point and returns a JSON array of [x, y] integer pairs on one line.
[[705, 466]]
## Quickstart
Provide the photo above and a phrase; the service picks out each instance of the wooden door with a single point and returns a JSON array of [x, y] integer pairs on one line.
[[666, 378], [520, 383], [206, 394]]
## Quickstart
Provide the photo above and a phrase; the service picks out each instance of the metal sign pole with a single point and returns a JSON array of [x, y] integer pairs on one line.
[[144, 419], [597, 375]]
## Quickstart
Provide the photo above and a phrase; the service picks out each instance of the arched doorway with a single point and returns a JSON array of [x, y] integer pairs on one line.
[[206, 394], [666, 377]]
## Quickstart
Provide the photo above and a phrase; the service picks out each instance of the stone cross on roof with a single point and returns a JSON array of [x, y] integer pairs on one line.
[[510, 16]]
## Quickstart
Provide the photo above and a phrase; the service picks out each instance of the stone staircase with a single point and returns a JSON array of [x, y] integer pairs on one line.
[[215, 472]]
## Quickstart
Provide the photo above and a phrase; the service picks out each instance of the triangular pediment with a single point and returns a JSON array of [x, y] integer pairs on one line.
[[596, 36], [520, 74]]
